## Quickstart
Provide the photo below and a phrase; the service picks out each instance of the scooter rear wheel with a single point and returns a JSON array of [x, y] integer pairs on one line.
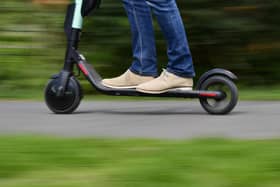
[[224, 85], [67, 103]]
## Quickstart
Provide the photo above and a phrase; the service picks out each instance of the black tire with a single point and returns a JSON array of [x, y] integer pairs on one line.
[[65, 104], [222, 106]]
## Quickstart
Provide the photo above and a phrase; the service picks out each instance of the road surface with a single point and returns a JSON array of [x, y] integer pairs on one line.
[[142, 119]]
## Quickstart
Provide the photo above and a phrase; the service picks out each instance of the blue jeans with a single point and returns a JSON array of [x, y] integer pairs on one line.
[[143, 40]]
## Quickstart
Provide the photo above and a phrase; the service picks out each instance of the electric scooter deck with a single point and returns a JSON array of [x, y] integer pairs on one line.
[[96, 81]]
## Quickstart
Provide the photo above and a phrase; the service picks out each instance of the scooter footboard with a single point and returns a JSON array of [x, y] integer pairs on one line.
[[96, 81]]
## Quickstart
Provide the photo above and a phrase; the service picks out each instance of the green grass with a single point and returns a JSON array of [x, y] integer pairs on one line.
[[260, 93], [27, 161]]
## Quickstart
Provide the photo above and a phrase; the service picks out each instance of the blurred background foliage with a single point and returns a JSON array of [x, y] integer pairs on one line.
[[240, 35]]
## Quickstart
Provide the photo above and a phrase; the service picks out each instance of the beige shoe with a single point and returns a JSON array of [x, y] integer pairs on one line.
[[126, 80], [166, 82]]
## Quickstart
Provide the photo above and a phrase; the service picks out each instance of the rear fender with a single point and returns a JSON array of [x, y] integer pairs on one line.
[[213, 72]]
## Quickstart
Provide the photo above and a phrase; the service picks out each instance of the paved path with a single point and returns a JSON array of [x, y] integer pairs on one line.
[[152, 119]]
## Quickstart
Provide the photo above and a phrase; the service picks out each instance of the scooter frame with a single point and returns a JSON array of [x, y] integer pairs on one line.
[[73, 27]]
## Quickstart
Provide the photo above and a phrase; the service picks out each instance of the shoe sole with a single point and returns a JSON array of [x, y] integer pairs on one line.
[[163, 91], [118, 87]]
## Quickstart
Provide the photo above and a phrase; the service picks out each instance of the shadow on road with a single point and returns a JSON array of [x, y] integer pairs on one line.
[[151, 113]]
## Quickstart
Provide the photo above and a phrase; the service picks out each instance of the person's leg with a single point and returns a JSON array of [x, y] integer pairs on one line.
[[180, 70], [144, 66], [143, 41], [169, 18]]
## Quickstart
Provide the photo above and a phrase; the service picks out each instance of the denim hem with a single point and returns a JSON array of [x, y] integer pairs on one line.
[[147, 74], [185, 75]]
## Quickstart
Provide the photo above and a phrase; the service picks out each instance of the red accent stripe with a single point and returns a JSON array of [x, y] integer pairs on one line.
[[83, 69], [208, 94]]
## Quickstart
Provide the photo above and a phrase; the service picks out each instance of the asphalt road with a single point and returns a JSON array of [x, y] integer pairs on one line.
[[142, 119]]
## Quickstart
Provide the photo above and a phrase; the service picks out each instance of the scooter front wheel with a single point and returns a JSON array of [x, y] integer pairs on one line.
[[224, 85], [67, 103]]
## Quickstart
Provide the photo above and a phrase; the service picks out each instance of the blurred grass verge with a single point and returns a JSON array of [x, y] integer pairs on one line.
[[52, 162]]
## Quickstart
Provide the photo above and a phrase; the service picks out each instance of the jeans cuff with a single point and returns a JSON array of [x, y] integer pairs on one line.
[[180, 74], [147, 74]]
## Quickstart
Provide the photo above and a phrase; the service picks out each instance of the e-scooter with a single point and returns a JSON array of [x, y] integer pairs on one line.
[[215, 89]]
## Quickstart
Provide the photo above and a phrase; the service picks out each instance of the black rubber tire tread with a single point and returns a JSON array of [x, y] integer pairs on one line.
[[71, 107], [234, 95]]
